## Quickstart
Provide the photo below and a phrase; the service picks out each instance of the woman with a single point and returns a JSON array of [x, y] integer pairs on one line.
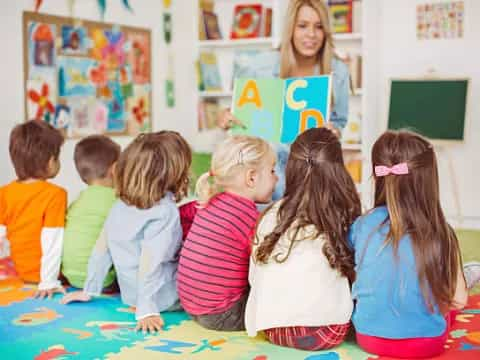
[[307, 49]]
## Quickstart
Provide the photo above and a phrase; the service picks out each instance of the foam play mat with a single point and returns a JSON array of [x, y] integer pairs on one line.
[[104, 329]]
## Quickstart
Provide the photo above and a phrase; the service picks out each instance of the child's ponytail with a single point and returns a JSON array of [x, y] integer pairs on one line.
[[204, 189], [229, 159]]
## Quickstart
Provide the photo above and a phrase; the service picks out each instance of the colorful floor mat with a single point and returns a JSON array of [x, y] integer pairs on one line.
[[104, 329]]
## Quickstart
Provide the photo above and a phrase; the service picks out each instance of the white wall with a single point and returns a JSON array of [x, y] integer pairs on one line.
[[147, 14], [401, 54], [390, 45]]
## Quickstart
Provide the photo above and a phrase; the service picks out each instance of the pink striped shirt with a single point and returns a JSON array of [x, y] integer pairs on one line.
[[213, 267]]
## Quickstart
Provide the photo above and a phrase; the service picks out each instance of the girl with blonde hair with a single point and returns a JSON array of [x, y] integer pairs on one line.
[[307, 49], [142, 234], [213, 267]]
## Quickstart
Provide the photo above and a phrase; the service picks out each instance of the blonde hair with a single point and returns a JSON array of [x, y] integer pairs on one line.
[[288, 60], [152, 165], [230, 157]]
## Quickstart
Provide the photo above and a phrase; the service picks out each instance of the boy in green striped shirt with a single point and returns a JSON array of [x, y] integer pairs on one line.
[[95, 157]]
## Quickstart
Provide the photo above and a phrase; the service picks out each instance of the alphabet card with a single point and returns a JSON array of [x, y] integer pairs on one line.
[[278, 110]]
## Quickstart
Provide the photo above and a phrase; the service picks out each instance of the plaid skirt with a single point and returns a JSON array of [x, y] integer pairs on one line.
[[308, 338]]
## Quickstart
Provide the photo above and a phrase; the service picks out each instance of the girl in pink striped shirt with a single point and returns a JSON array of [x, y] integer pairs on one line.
[[212, 277]]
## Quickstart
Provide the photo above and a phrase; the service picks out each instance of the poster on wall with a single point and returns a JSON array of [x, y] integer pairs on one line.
[[443, 20], [87, 77]]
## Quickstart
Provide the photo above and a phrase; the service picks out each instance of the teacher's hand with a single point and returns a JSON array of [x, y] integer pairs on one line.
[[333, 129], [225, 120]]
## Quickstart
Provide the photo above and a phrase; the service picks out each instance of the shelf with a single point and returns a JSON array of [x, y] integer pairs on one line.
[[226, 43], [347, 37], [215, 94], [353, 147]]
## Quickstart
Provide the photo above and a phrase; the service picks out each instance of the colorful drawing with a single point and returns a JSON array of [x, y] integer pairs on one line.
[[440, 20], [117, 121], [278, 110], [138, 106], [41, 100], [74, 40], [42, 44], [62, 117], [81, 109], [140, 57], [87, 77], [73, 76]]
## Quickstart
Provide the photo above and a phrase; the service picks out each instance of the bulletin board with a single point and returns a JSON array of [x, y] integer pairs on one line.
[[86, 77], [434, 108]]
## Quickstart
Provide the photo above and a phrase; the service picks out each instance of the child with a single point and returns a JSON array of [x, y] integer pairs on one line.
[[212, 272], [94, 158], [32, 210], [407, 257], [301, 261], [142, 232]]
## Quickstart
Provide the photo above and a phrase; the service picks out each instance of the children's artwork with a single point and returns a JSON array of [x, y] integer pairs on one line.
[[74, 40], [440, 20], [74, 78], [278, 110], [138, 108], [41, 41], [81, 75], [41, 97], [81, 115], [140, 58]]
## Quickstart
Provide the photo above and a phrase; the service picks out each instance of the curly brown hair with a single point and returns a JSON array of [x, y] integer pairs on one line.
[[320, 192], [152, 165]]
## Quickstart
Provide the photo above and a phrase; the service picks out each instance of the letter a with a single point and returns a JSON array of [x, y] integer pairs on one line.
[[250, 94]]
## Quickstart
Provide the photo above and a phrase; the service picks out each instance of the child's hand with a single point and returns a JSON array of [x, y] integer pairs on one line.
[[41, 294], [151, 323], [75, 296]]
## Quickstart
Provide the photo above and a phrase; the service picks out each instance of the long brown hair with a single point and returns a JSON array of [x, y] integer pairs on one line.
[[152, 165], [320, 192], [414, 208], [287, 51]]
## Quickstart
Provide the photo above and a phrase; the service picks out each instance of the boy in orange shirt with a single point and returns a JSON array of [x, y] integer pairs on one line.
[[32, 210]]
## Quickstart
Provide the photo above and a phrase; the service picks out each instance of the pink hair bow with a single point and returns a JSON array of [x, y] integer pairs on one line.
[[398, 169]]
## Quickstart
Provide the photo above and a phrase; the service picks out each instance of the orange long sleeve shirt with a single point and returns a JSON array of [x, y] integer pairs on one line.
[[32, 217]]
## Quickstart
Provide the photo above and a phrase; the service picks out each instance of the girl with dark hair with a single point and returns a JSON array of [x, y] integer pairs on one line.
[[408, 264], [301, 265]]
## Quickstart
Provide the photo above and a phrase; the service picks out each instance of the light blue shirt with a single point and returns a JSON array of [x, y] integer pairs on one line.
[[143, 245], [338, 118], [389, 302]]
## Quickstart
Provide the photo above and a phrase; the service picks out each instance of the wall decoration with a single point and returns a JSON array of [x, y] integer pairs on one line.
[[440, 20], [87, 77]]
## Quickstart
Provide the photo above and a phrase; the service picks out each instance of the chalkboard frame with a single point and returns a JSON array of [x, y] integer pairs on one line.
[[437, 141]]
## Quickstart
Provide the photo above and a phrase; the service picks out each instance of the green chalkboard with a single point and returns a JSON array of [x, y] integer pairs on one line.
[[432, 108]]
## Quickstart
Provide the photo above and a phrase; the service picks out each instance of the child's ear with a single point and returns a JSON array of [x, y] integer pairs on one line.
[[251, 178]]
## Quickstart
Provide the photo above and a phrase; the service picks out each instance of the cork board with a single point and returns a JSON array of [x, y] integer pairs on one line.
[[86, 77]]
